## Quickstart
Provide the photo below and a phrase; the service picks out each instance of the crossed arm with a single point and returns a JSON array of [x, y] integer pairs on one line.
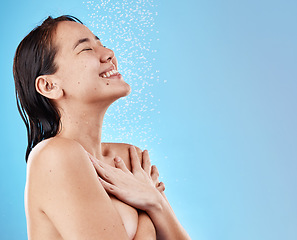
[[63, 183], [140, 188]]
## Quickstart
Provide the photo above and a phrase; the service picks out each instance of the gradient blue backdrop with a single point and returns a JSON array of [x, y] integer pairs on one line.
[[227, 114]]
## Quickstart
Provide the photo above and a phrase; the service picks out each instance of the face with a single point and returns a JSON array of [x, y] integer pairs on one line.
[[87, 71]]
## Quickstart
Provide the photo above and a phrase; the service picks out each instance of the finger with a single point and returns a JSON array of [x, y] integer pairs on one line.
[[96, 164], [96, 161], [154, 173], [112, 189], [134, 159], [106, 175], [92, 158], [139, 154], [146, 162], [108, 186], [100, 163], [119, 163], [161, 187]]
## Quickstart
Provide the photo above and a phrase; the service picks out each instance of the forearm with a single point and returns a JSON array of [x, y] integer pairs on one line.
[[166, 223], [138, 189], [145, 228]]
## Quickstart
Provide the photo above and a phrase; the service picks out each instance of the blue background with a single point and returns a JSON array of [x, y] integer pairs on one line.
[[214, 101]]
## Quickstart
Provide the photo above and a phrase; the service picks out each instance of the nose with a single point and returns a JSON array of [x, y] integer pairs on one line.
[[107, 55]]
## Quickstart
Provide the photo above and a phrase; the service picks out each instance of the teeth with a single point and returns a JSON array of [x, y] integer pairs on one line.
[[110, 73]]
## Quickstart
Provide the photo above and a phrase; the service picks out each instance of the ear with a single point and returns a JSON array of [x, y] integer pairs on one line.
[[47, 87]]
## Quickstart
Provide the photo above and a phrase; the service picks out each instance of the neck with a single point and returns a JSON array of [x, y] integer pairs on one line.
[[85, 127]]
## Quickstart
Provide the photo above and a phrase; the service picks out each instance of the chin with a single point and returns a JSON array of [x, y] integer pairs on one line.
[[128, 91], [123, 92]]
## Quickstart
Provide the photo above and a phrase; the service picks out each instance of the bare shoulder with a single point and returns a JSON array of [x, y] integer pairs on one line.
[[57, 163], [57, 159], [63, 184], [55, 149], [121, 149]]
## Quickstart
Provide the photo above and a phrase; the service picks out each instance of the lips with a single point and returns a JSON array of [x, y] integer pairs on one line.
[[106, 70], [109, 73]]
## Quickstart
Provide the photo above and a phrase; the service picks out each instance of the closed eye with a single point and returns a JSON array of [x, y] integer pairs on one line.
[[86, 49]]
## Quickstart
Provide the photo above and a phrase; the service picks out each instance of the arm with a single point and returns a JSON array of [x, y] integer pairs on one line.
[[154, 173], [145, 228], [138, 190], [165, 221], [70, 194]]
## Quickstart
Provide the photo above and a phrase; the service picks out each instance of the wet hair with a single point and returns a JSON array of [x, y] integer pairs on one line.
[[35, 56]]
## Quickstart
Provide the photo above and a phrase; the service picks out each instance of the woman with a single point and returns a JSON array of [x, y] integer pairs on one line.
[[65, 80]]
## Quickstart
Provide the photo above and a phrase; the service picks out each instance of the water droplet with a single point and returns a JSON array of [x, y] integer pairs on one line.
[[128, 28]]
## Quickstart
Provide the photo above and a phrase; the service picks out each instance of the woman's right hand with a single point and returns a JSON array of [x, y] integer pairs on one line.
[[139, 188]]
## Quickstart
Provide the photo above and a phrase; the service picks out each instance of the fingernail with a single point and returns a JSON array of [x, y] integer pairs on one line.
[[117, 159]]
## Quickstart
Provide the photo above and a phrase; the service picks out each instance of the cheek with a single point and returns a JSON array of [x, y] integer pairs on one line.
[[83, 70], [75, 74]]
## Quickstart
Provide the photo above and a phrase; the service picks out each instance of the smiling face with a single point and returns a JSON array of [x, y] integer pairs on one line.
[[87, 71]]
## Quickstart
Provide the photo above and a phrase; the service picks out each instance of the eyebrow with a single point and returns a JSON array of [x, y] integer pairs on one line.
[[82, 40]]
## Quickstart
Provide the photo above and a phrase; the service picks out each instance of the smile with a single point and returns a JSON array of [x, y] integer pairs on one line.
[[109, 73]]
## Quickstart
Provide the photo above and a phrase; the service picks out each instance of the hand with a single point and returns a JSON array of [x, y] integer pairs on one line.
[[139, 188]]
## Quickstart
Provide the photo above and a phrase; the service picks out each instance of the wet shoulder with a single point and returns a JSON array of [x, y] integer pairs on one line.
[[56, 153], [121, 150], [120, 147]]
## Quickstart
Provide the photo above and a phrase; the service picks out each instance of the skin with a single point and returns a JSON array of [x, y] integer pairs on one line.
[[142, 182], [65, 200], [63, 197]]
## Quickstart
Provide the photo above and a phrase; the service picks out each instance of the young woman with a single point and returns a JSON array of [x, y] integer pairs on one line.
[[78, 187]]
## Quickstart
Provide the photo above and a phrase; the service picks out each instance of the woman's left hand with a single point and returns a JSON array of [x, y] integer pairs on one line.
[[139, 188]]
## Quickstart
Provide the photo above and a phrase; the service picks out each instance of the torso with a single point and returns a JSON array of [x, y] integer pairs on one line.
[[128, 214], [41, 226]]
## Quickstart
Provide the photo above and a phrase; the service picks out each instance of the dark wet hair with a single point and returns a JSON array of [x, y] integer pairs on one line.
[[35, 56]]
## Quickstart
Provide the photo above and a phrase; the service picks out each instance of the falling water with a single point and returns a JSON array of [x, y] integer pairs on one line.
[[128, 28]]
